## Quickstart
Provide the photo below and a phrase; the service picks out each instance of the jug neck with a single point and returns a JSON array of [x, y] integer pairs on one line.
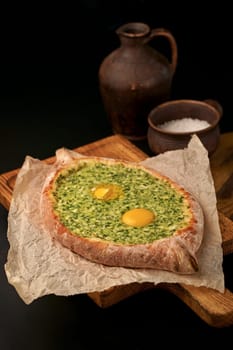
[[133, 34]]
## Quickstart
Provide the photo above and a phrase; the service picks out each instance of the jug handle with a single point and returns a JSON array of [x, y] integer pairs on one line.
[[167, 34]]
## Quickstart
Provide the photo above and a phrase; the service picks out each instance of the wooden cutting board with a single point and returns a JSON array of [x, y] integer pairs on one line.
[[215, 308]]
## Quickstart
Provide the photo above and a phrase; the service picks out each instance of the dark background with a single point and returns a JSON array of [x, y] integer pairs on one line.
[[49, 98], [50, 58]]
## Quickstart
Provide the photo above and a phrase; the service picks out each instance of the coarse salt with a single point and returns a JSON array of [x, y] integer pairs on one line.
[[184, 125]]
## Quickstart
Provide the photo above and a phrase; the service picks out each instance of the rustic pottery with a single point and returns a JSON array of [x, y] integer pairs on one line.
[[135, 77], [161, 140]]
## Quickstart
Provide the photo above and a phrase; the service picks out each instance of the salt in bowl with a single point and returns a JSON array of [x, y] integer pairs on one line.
[[172, 124]]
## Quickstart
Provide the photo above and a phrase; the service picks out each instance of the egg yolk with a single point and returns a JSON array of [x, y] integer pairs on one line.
[[138, 217], [107, 191]]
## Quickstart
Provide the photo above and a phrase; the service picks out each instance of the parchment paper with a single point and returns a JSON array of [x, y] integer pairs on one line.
[[38, 266]]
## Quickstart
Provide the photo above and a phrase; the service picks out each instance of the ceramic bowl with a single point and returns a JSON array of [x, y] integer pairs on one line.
[[161, 139]]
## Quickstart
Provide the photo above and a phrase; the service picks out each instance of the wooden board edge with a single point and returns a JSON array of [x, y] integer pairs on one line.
[[108, 297], [213, 307]]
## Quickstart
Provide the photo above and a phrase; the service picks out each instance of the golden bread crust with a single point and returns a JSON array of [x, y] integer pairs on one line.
[[176, 253]]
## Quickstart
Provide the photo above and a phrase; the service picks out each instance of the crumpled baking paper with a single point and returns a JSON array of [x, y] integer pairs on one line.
[[37, 265]]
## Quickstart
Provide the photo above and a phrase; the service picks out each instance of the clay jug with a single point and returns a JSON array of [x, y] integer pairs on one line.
[[135, 77]]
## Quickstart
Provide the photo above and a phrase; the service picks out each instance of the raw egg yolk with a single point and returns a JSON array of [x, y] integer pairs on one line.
[[138, 217], [107, 191]]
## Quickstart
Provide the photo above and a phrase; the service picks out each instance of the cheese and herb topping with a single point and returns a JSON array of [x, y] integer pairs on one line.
[[119, 204]]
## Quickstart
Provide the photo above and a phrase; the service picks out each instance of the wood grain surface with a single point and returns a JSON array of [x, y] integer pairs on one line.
[[213, 307], [222, 169]]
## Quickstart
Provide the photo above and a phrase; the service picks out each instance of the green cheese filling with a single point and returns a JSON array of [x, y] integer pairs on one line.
[[91, 217]]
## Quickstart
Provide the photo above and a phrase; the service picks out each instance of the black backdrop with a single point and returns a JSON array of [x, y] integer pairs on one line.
[[50, 55]]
